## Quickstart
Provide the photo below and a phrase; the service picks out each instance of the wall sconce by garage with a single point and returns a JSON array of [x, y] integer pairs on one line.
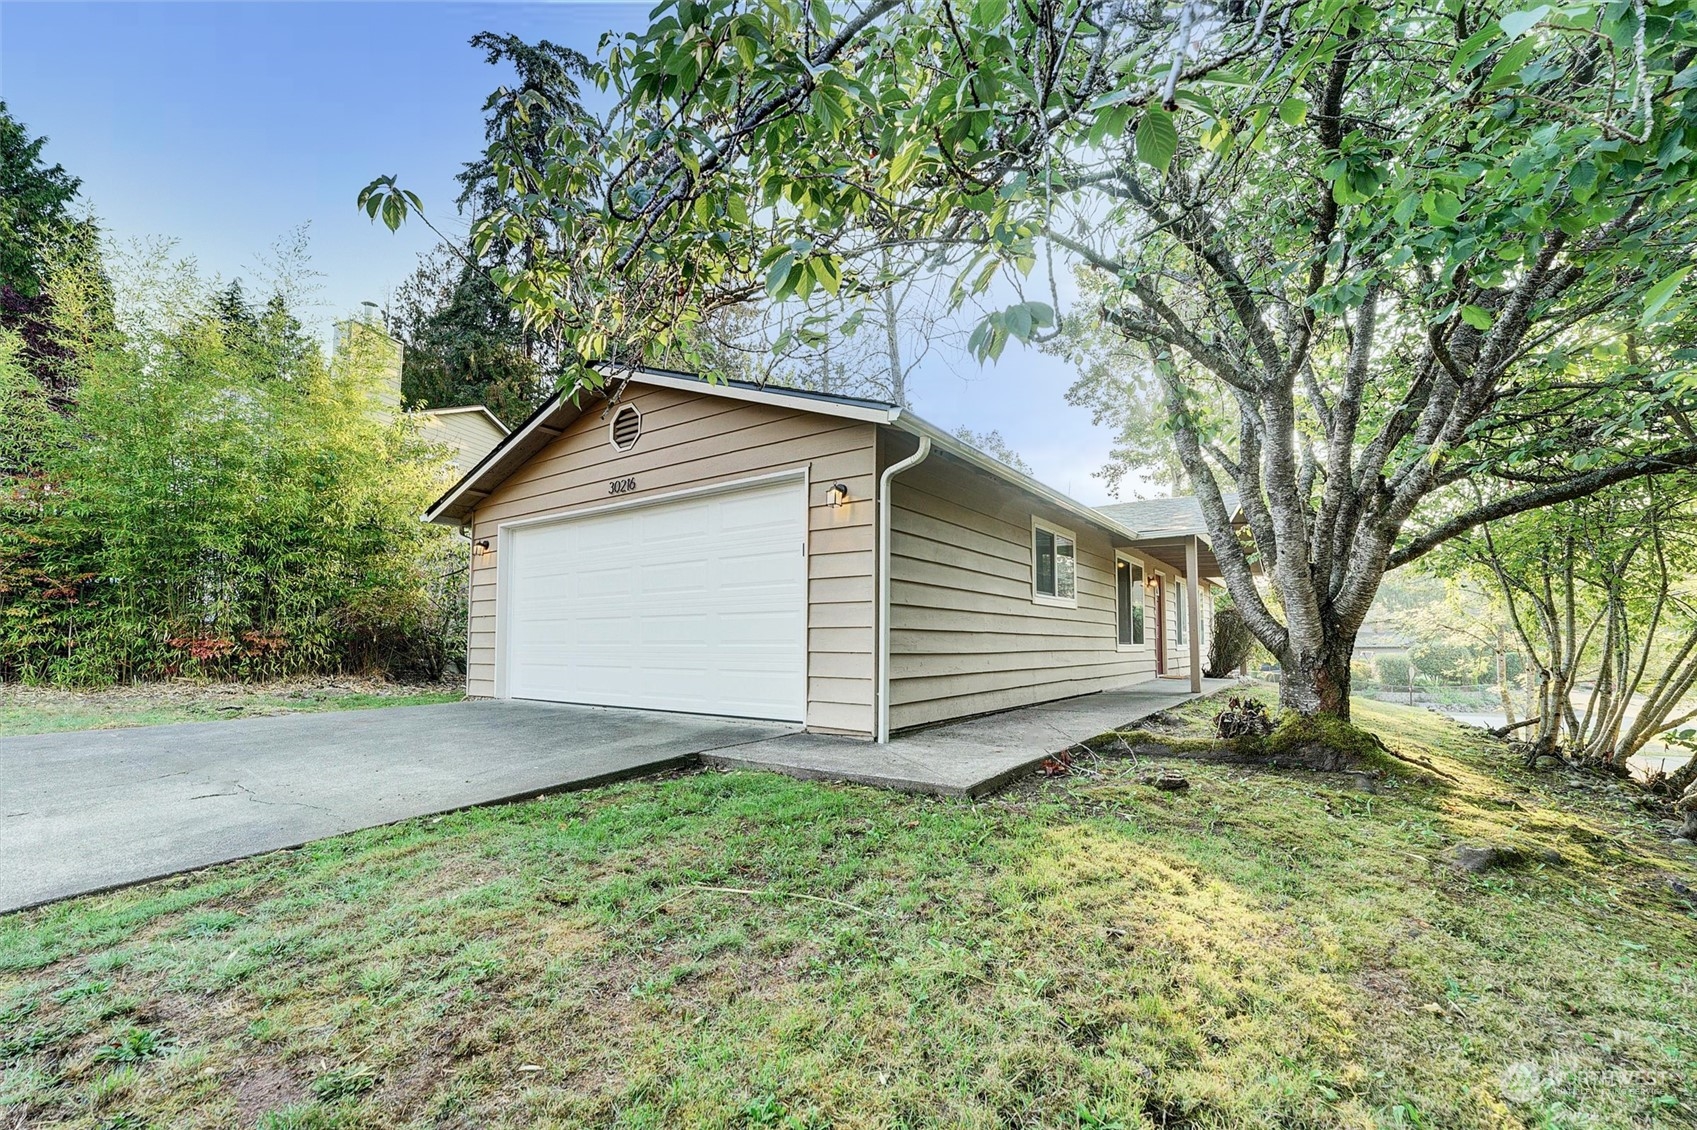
[[482, 546], [838, 494]]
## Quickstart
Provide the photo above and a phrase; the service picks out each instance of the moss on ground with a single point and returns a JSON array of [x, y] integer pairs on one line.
[[1264, 949]]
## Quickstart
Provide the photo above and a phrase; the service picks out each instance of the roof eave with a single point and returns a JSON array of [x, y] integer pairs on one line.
[[483, 408], [447, 511], [945, 442]]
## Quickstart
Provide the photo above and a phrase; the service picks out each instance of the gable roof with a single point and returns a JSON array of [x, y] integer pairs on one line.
[[552, 419], [1167, 517], [559, 411], [487, 415]]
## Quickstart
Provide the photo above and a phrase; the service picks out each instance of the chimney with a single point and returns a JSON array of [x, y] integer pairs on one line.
[[366, 334]]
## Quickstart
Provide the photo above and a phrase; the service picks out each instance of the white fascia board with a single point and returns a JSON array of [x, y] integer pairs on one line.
[[818, 406], [488, 415]]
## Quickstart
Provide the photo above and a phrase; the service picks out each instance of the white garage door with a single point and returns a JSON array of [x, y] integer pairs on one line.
[[697, 605]]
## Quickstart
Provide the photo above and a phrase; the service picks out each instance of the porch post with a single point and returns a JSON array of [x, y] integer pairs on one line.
[[1193, 612]]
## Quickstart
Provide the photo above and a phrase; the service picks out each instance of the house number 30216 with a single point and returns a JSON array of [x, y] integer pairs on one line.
[[621, 486]]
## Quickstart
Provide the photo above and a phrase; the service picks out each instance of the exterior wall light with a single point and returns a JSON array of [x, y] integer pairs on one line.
[[482, 546], [838, 494]]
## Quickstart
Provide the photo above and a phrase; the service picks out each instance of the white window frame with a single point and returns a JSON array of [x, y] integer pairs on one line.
[[1071, 538], [1140, 593], [1181, 618]]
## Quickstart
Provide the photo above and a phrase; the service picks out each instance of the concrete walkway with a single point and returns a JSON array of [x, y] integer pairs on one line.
[[970, 758], [94, 809]]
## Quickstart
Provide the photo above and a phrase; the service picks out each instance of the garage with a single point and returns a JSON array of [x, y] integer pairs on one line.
[[694, 603]]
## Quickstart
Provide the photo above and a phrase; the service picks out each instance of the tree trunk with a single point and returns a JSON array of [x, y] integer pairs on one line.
[[1550, 693], [893, 342], [1317, 684], [1502, 677]]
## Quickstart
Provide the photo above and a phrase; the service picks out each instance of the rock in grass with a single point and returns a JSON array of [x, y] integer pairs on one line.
[[1475, 859], [1682, 891], [1166, 782]]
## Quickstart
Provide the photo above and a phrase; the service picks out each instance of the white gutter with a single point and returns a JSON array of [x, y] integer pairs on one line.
[[884, 508]]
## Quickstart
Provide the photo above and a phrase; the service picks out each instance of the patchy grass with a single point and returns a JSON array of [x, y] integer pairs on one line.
[[41, 710], [744, 950]]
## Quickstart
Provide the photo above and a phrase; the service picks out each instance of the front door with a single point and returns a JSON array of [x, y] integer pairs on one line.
[[1160, 626]]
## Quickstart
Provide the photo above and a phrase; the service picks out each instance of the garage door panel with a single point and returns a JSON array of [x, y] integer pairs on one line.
[[697, 605], [673, 581]]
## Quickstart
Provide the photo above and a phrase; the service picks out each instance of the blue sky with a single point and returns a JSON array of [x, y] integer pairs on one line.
[[225, 125]]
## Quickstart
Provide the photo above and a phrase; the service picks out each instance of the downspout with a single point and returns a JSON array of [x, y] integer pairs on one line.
[[884, 508]]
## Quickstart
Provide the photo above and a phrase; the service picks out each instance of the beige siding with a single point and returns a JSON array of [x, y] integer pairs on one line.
[[470, 435], [966, 637], [690, 440]]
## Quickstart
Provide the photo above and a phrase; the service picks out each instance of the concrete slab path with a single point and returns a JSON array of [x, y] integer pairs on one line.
[[94, 809], [969, 758]]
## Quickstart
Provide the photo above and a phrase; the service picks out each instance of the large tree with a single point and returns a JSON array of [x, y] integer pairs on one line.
[[46, 257], [465, 343], [1365, 246]]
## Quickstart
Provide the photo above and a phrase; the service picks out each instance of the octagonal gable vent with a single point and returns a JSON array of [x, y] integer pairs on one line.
[[626, 427]]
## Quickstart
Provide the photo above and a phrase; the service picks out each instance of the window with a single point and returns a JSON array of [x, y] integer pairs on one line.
[[1178, 619], [1054, 567], [1128, 584]]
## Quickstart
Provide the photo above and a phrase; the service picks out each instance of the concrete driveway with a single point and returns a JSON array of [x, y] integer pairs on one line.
[[96, 809]]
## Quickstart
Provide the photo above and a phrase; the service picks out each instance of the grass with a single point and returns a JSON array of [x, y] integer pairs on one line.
[[28, 710], [745, 950]]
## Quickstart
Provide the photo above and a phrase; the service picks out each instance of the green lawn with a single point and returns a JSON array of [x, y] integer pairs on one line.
[[29, 710], [745, 950]]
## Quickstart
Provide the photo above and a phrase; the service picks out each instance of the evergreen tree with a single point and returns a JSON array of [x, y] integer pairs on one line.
[[33, 207]]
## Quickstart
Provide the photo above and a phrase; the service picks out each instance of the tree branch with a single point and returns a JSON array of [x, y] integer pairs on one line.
[[1578, 487]]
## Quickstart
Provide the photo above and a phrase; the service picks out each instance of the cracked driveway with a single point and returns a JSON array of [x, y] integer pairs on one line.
[[96, 809]]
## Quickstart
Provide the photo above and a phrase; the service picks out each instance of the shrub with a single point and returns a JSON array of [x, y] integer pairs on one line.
[[220, 500], [1230, 645], [1447, 662], [1393, 670]]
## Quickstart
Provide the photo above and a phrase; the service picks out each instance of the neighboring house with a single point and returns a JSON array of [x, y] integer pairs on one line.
[[1377, 640], [732, 549], [470, 432]]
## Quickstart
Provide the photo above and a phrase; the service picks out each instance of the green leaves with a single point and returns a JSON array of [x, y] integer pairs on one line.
[[1157, 138], [1442, 208], [1018, 322], [779, 283], [1658, 296], [1517, 24], [1477, 316], [384, 197]]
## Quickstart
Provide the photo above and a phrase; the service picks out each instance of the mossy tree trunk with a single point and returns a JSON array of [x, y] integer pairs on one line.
[[1317, 683]]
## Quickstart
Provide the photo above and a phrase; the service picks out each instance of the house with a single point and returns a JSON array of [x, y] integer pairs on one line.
[[469, 433], [743, 550]]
